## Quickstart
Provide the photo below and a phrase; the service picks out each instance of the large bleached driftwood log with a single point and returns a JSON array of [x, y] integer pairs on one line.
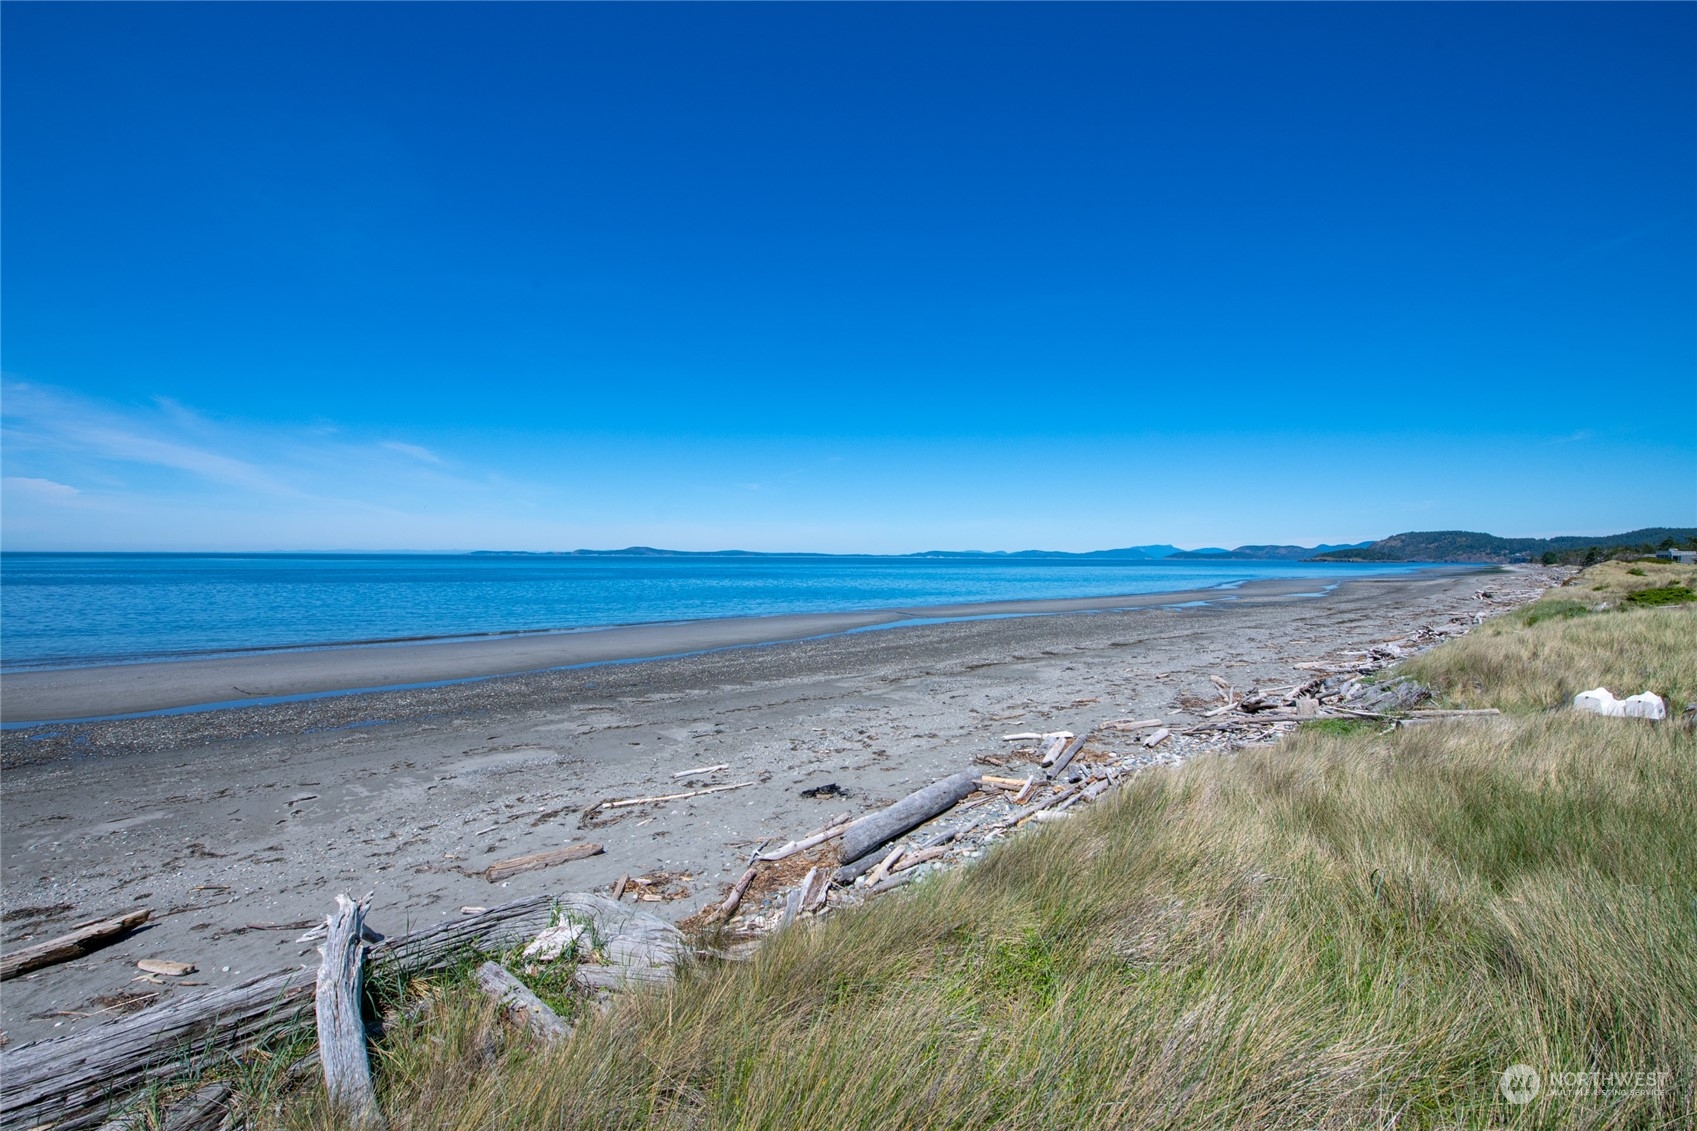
[[75, 943], [877, 829], [340, 1006], [77, 1081]]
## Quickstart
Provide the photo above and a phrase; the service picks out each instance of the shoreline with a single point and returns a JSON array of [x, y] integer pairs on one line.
[[151, 688], [233, 826]]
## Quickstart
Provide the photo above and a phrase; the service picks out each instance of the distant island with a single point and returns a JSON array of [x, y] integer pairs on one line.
[[1415, 546], [1468, 546], [1268, 553], [1144, 553]]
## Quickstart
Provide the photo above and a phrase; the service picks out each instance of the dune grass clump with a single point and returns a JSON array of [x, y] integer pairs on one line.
[[1353, 929], [1662, 595]]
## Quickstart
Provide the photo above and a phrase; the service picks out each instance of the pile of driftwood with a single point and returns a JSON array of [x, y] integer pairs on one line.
[[90, 1078], [846, 860], [850, 859]]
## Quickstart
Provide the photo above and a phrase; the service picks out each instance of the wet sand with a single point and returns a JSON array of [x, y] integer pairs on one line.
[[128, 689], [228, 823]]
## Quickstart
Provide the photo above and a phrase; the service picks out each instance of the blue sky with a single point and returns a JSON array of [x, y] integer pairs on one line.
[[859, 278]]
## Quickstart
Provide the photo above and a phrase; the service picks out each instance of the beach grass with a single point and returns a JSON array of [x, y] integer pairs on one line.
[[1542, 655], [1352, 929]]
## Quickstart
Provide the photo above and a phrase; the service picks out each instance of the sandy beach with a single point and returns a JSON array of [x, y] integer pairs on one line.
[[127, 689], [238, 825]]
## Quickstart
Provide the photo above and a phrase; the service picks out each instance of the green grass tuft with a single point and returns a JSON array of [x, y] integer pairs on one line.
[[1341, 727], [1662, 595], [1560, 609]]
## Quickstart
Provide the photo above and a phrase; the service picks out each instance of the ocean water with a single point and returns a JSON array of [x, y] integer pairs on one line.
[[67, 610]]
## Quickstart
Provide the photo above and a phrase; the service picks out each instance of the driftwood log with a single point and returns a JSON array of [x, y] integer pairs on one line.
[[502, 869], [1057, 743], [849, 873], [915, 859], [516, 1000], [204, 1109], [80, 1080], [340, 1009], [890, 883], [877, 829], [816, 888], [1067, 755], [75, 943], [600, 976]]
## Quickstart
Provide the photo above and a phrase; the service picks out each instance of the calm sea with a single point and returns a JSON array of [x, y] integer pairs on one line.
[[63, 610]]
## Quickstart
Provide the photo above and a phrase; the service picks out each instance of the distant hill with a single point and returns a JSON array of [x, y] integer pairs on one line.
[[1136, 553], [1268, 553], [639, 552], [1470, 546], [1426, 546]]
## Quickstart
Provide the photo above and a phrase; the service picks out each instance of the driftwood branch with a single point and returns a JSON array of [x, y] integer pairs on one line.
[[734, 899], [814, 841], [516, 1000], [884, 865], [626, 802], [75, 943], [915, 859], [700, 770], [339, 1005]]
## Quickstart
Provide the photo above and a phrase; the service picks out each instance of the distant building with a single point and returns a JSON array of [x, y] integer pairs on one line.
[[1685, 557]]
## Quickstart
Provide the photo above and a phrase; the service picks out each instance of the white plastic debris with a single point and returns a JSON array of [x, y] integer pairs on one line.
[[1646, 706], [1599, 701]]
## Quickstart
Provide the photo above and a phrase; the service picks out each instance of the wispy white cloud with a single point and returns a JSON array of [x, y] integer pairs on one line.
[[1574, 437], [40, 488], [39, 418], [422, 454], [161, 471]]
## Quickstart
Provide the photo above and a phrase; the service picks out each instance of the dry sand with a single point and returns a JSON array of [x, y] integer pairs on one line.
[[225, 822]]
